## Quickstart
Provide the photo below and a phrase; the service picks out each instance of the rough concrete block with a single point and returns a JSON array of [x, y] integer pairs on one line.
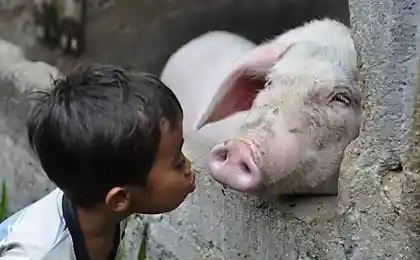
[[374, 222], [9, 53], [375, 215], [27, 75], [25, 179]]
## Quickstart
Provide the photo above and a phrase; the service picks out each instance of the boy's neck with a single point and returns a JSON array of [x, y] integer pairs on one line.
[[96, 223], [98, 230]]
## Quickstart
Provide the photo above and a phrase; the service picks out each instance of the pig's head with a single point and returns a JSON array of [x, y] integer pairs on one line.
[[304, 105]]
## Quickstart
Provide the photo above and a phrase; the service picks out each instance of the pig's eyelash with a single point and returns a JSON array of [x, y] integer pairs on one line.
[[341, 97]]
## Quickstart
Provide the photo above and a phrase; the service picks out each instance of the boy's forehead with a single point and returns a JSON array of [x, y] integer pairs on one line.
[[171, 128], [171, 142], [172, 133]]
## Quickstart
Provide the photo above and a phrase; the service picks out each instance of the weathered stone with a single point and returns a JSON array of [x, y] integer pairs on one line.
[[374, 221], [9, 53], [25, 180], [376, 214]]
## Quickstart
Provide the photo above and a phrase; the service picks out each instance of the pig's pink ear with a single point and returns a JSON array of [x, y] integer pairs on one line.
[[238, 90]]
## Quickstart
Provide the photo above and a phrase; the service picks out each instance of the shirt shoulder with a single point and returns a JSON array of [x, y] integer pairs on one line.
[[37, 232]]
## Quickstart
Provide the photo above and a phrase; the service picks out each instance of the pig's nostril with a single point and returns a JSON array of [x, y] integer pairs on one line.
[[233, 157], [245, 167], [220, 155]]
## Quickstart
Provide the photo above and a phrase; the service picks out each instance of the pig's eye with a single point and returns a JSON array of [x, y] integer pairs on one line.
[[341, 98]]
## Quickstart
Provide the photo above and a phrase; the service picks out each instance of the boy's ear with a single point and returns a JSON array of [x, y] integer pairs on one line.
[[118, 199]]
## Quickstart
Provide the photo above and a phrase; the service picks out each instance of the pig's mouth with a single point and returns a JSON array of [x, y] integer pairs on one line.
[[233, 164]]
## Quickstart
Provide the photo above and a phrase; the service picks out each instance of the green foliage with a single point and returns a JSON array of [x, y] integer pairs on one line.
[[121, 251], [3, 201], [142, 252]]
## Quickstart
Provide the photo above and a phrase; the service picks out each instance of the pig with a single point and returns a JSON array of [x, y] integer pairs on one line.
[[61, 23], [193, 92], [302, 92], [294, 103]]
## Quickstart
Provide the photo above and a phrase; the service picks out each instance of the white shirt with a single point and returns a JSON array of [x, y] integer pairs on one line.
[[46, 230]]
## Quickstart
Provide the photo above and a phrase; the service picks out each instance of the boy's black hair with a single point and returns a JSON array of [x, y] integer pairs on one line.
[[99, 127]]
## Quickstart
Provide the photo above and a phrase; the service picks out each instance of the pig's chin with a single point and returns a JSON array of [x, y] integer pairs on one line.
[[233, 165]]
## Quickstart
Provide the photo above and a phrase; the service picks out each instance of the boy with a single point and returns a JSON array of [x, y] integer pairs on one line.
[[111, 142]]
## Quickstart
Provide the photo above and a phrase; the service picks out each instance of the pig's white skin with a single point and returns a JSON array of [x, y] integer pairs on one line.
[[195, 70], [290, 126]]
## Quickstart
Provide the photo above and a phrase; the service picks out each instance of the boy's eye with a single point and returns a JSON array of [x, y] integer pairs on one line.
[[181, 162]]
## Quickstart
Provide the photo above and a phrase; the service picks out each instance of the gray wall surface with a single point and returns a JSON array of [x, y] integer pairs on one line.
[[143, 34], [25, 180], [376, 213]]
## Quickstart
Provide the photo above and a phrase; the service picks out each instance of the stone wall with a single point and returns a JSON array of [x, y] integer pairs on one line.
[[376, 213], [378, 181], [24, 178]]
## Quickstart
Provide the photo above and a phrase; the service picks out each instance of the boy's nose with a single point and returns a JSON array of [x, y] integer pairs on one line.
[[187, 166]]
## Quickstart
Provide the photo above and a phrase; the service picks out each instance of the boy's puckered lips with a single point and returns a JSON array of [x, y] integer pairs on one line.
[[191, 175]]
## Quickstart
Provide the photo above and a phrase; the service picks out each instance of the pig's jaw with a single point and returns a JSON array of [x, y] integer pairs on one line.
[[233, 164]]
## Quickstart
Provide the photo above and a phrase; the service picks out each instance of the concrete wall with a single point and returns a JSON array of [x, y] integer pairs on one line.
[[379, 180], [376, 213], [25, 179]]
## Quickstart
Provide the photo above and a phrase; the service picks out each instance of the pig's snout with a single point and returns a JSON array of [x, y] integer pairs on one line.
[[232, 164]]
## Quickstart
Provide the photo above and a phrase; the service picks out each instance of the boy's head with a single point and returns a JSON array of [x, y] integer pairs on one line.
[[111, 138]]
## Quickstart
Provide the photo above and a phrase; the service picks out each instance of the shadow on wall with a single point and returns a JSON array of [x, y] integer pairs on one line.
[[143, 34], [254, 20]]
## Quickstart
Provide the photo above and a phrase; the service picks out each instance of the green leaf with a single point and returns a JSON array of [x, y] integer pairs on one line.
[[3, 201], [142, 251], [121, 251]]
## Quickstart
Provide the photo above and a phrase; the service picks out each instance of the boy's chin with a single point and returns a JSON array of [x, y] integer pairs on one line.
[[159, 210]]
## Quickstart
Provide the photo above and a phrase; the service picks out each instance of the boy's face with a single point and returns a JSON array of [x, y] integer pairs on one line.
[[170, 179]]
